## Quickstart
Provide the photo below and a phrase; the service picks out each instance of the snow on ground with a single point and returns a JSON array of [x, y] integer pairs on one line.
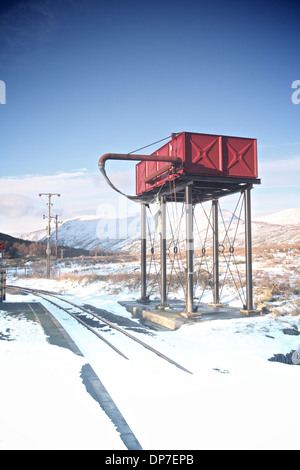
[[43, 403], [235, 398]]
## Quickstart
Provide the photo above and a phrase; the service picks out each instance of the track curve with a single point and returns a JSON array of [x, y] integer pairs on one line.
[[44, 294]]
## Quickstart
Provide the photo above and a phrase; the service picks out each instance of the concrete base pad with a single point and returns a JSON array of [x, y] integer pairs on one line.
[[250, 313], [174, 316], [168, 319]]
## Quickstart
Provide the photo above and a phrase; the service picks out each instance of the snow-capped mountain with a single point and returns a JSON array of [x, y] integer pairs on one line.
[[286, 217], [36, 236], [92, 232]]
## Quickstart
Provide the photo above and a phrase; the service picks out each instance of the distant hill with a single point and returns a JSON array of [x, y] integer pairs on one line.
[[16, 247], [36, 236], [92, 232], [8, 238], [286, 217], [20, 248]]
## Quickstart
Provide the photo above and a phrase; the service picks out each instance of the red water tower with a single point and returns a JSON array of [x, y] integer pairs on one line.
[[201, 155], [195, 168]]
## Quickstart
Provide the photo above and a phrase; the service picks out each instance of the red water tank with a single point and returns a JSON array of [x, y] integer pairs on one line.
[[201, 155]]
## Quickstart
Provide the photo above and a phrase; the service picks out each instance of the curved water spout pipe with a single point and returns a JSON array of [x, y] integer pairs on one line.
[[142, 158]]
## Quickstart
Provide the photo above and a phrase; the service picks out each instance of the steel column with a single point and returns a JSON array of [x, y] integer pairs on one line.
[[215, 212], [163, 254], [189, 250], [248, 248], [143, 253]]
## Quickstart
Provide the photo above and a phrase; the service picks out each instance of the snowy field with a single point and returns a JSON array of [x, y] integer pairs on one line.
[[235, 399]]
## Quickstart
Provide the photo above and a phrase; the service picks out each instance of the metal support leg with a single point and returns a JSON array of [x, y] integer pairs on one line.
[[215, 212], [143, 253], [163, 254], [189, 250], [248, 247], [216, 271]]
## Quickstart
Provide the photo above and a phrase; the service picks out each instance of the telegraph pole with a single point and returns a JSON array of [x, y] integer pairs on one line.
[[56, 233], [48, 251]]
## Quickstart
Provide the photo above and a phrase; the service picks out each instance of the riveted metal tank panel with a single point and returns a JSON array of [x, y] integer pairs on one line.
[[201, 155]]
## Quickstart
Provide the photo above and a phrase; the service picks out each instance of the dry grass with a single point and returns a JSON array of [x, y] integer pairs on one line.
[[122, 279], [276, 276], [82, 279]]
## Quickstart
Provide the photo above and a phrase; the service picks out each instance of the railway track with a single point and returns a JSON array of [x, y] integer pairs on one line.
[[45, 296]]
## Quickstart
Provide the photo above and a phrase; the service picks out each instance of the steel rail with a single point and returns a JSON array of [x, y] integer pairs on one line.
[[31, 291], [107, 322]]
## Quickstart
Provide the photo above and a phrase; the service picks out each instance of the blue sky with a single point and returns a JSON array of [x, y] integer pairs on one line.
[[88, 77]]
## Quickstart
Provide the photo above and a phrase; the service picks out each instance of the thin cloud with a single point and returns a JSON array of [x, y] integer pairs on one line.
[[22, 210], [14, 205], [84, 193], [280, 173]]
